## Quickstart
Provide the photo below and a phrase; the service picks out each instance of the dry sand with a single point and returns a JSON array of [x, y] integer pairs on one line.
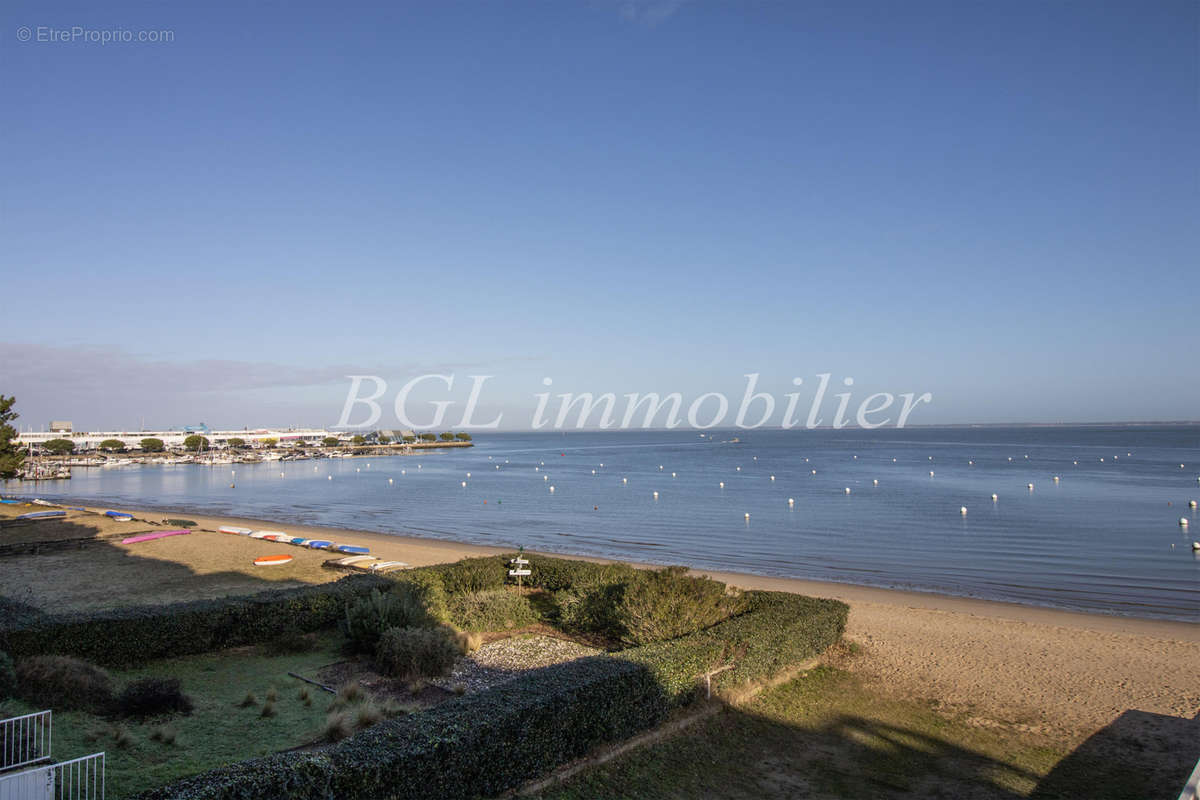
[[1052, 671]]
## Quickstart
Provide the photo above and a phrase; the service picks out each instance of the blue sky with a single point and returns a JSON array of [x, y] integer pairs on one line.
[[992, 202]]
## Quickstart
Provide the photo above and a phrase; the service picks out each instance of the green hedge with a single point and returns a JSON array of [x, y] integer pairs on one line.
[[131, 636], [493, 741]]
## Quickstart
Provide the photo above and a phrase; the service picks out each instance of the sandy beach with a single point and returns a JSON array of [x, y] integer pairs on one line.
[[1044, 670]]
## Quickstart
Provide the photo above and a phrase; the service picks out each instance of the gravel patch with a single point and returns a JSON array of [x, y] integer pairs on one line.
[[501, 661]]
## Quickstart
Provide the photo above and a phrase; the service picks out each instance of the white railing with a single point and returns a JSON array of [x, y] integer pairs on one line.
[[25, 740], [1192, 790], [77, 779]]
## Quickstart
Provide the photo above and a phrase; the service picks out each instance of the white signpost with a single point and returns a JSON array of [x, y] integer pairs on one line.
[[519, 568]]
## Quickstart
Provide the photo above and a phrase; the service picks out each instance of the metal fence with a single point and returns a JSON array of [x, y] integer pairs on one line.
[[24, 740], [77, 779]]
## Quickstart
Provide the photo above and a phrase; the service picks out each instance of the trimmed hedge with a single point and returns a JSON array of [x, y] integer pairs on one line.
[[490, 742], [131, 636]]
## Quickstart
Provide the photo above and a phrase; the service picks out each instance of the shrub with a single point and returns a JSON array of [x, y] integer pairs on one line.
[[591, 610], [473, 574], [409, 653], [558, 574], [668, 603], [248, 701], [368, 617], [8, 677], [131, 636], [268, 709], [150, 696], [495, 610], [64, 683], [423, 599]]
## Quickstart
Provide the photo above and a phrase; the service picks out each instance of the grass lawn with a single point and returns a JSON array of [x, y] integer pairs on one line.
[[826, 735], [216, 732]]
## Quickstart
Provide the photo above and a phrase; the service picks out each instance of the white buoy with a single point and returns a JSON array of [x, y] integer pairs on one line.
[[747, 515], [497, 466], [995, 497], [963, 510], [1030, 487], [739, 469], [1196, 545], [814, 472], [537, 469], [551, 490], [624, 480], [464, 483], [1183, 522], [847, 490], [358, 469], [931, 473], [601, 465], [1191, 503], [1076, 463], [468, 474], [281, 474], [931, 458], [672, 474], [1056, 479], [660, 466], [893, 461], [330, 477], [390, 480], [970, 463], [656, 495], [545, 477], [594, 472], [772, 477], [875, 482], [233, 472], [791, 501], [1181, 466], [722, 484], [403, 472]]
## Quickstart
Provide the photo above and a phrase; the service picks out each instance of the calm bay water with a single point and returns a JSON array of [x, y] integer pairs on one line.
[[1105, 538]]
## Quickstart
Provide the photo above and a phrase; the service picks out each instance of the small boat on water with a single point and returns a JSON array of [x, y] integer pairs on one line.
[[43, 515], [146, 537], [234, 529], [271, 561]]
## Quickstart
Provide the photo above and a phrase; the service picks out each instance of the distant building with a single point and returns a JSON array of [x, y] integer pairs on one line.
[[60, 426], [217, 440]]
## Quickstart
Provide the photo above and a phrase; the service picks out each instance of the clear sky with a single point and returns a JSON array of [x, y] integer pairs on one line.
[[995, 202]]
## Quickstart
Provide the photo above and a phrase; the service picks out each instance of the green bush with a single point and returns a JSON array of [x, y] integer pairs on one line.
[[131, 636], [146, 697], [422, 595], [64, 683], [8, 677], [668, 603], [494, 610], [473, 574], [416, 602], [411, 653], [557, 574]]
